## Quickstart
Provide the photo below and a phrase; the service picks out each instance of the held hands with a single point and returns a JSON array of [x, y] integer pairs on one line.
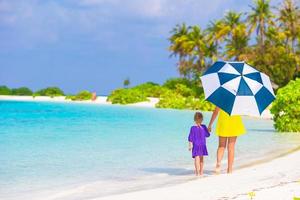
[[209, 128]]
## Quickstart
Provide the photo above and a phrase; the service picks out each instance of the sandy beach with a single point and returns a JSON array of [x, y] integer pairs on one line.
[[278, 179]]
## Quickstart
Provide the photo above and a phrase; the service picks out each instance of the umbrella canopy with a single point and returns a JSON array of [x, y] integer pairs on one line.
[[237, 88]]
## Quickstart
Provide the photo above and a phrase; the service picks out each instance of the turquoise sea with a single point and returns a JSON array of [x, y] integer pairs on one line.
[[81, 151]]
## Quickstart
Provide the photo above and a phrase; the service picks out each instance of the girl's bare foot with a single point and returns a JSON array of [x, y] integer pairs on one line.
[[218, 168], [229, 171]]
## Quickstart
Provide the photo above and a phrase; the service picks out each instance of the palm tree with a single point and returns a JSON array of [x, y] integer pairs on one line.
[[236, 36], [216, 32], [126, 82], [232, 20], [259, 17], [197, 47], [177, 39], [178, 47], [236, 45], [289, 18]]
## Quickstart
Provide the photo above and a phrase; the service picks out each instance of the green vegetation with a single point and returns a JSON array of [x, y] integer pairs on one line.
[[126, 96], [151, 89], [81, 96], [22, 91], [50, 91], [194, 85], [177, 93], [286, 107], [275, 50], [177, 101], [4, 90]]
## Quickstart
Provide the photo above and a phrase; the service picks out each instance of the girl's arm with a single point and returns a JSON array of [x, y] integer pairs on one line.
[[207, 134], [213, 117], [190, 139]]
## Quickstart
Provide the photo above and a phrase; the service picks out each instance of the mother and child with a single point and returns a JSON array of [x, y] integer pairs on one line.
[[228, 129]]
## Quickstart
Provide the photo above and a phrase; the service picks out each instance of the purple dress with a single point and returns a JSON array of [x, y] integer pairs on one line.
[[198, 136]]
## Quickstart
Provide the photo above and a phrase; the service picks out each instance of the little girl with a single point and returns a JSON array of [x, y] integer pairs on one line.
[[197, 142]]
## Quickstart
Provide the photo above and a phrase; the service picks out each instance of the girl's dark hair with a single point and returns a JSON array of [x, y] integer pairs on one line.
[[198, 115]]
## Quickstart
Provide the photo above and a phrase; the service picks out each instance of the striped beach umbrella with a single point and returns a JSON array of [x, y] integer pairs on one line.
[[237, 88]]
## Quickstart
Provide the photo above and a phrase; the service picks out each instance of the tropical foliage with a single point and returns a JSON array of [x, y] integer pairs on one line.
[[50, 91], [126, 82], [178, 93], [265, 37], [286, 108], [4, 90], [21, 91], [150, 89], [194, 85], [177, 101], [126, 96], [81, 96]]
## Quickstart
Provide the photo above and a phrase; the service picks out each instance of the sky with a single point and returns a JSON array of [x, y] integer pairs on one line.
[[96, 44]]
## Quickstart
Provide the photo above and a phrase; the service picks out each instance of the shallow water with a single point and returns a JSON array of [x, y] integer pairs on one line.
[[79, 151]]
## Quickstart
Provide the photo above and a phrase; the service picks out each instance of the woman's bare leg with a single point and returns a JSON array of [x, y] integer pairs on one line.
[[197, 165], [220, 152], [201, 165], [231, 145]]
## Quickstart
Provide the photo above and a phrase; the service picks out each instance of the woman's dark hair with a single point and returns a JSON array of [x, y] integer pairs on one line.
[[198, 115]]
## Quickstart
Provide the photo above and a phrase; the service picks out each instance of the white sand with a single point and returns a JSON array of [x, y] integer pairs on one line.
[[99, 100], [275, 180]]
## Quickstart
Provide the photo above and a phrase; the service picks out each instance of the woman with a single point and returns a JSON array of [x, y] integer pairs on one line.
[[228, 128]]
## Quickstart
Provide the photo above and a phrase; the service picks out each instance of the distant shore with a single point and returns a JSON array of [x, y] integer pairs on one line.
[[100, 100]]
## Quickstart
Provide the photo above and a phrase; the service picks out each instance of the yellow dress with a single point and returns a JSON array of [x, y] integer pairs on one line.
[[229, 126]]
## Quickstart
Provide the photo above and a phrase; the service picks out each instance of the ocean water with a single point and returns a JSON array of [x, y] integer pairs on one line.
[[81, 151]]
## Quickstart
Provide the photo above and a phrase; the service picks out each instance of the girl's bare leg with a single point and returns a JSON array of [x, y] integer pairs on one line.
[[231, 145], [220, 152], [201, 165], [197, 165]]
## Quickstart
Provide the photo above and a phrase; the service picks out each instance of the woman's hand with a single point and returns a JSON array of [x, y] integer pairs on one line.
[[213, 117], [209, 128]]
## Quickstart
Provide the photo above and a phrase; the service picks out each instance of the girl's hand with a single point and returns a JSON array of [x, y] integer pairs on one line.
[[190, 146]]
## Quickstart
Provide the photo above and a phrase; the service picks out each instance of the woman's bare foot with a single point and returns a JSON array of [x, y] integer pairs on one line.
[[229, 171], [218, 168]]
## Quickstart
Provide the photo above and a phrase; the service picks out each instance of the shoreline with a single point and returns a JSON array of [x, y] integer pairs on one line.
[[168, 191], [272, 179], [101, 100]]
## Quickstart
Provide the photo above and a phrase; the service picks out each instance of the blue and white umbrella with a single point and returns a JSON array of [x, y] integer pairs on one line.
[[237, 88]]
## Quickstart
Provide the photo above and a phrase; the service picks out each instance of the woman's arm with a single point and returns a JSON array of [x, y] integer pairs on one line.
[[213, 117]]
